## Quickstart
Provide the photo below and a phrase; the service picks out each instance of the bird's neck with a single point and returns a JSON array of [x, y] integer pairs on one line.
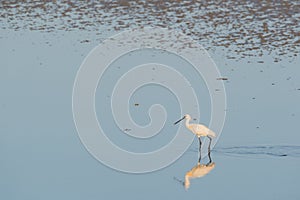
[[187, 182], [187, 122]]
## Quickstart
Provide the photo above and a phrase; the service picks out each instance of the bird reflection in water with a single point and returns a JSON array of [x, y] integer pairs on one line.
[[198, 171]]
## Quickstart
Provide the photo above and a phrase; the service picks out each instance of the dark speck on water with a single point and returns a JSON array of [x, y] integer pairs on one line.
[[84, 41], [222, 78]]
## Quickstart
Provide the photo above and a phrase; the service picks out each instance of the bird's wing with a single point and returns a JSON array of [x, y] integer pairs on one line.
[[199, 128]]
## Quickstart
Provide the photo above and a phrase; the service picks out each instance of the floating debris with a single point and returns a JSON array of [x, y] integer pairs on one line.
[[127, 129], [136, 104]]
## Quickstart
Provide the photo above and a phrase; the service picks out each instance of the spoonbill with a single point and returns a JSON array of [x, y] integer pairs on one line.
[[198, 129]]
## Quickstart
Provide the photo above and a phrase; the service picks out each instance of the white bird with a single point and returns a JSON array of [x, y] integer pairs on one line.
[[198, 129]]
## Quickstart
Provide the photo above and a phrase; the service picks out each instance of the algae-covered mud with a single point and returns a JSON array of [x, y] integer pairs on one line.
[[243, 28]]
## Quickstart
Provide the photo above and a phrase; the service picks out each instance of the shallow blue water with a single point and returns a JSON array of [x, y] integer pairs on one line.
[[41, 156]]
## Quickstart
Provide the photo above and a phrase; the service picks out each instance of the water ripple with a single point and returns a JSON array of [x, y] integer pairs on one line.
[[275, 151]]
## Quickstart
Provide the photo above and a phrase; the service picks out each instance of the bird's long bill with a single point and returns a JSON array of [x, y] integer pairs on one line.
[[179, 121]]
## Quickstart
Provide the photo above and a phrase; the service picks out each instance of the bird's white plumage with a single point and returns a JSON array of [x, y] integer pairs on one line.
[[198, 129]]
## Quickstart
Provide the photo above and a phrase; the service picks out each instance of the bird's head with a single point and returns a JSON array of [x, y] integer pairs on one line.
[[187, 116]]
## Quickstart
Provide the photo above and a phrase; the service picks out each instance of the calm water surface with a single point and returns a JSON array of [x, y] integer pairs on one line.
[[255, 44]]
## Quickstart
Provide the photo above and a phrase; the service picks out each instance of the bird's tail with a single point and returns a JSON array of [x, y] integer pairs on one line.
[[211, 133]]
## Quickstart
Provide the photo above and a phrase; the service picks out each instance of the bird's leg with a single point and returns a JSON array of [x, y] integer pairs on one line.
[[200, 143], [209, 158], [209, 144]]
